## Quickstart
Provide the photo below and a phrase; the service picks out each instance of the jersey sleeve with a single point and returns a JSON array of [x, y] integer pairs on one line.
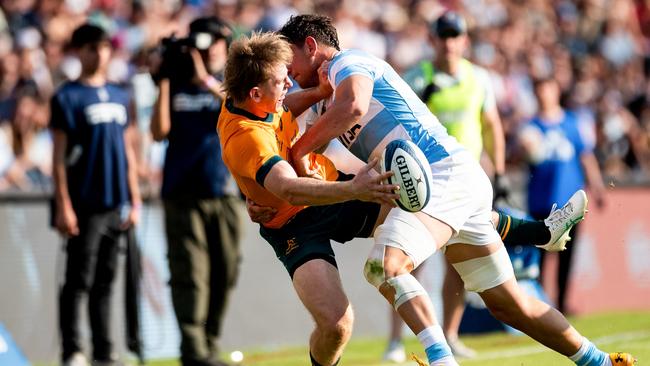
[[343, 67], [489, 101], [252, 153], [60, 118]]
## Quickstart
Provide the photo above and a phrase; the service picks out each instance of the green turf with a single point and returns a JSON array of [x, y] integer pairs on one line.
[[629, 332]]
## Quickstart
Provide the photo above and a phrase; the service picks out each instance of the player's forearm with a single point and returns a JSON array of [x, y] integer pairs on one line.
[[301, 100], [498, 154], [314, 192], [161, 118], [592, 173], [333, 123], [283, 182], [496, 148]]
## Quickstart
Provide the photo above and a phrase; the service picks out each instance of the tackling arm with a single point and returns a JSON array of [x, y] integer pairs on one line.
[[283, 182], [351, 102], [300, 101]]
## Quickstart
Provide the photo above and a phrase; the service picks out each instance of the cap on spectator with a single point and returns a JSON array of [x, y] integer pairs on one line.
[[212, 25], [87, 34], [449, 24]]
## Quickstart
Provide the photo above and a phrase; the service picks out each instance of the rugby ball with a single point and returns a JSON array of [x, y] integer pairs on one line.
[[411, 171]]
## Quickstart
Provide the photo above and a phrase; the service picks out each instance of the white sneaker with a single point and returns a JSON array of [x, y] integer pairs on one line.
[[460, 350], [560, 221], [395, 352], [77, 359]]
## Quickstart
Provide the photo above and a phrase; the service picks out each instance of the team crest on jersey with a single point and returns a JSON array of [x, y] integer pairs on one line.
[[291, 246]]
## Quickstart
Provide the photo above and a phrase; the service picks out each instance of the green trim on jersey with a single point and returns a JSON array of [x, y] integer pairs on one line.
[[458, 107]]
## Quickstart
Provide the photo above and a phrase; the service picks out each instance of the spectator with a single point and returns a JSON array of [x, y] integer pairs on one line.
[[514, 40], [96, 192], [30, 159], [200, 198], [623, 146], [559, 150]]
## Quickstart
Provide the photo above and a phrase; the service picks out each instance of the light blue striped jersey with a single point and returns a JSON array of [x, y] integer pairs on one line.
[[395, 111]]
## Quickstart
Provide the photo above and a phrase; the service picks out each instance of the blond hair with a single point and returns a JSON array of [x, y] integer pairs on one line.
[[251, 61]]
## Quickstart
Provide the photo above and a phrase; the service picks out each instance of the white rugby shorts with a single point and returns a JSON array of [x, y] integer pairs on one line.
[[461, 197]]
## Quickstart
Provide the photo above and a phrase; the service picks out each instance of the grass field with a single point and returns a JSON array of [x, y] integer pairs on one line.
[[629, 332]]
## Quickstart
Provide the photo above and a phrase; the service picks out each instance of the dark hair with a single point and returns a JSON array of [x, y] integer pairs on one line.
[[86, 34], [320, 27]]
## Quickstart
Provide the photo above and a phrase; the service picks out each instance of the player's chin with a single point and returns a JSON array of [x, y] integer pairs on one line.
[[304, 84]]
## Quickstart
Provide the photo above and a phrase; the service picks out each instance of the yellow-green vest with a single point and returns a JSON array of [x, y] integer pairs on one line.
[[458, 107]]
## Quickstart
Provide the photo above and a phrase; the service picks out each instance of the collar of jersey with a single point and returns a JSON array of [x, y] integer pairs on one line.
[[242, 112]]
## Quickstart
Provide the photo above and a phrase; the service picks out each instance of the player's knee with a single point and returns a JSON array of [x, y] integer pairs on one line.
[[379, 266], [373, 270], [397, 266], [338, 328]]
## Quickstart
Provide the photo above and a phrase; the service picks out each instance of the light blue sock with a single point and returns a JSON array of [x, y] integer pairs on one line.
[[438, 351], [589, 355], [435, 345]]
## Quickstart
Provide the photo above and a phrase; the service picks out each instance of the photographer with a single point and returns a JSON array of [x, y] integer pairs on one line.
[[200, 198]]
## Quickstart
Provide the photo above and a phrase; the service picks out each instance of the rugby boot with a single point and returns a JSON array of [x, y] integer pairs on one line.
[[560, 221], [622, 359]]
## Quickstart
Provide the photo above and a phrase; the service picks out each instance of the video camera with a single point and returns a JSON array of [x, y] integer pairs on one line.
[[177, 64]]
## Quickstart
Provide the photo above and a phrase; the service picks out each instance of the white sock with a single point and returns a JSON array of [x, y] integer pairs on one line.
[[431, 335], [434, 342]]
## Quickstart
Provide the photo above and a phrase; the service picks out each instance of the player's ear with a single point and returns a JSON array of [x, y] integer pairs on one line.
[[255, 94], [311, 44]]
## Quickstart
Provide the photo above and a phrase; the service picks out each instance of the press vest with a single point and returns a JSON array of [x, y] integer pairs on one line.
[[458, 107]]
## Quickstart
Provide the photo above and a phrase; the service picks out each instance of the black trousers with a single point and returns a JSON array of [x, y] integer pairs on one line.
[[90, 270]]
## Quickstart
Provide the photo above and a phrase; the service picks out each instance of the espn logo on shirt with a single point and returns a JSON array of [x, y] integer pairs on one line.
[[99, 113]]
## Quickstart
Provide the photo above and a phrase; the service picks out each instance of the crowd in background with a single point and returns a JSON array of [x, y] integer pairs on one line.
[[598, 50]]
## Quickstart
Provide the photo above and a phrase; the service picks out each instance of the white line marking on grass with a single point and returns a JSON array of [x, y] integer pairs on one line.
[[530, 350]]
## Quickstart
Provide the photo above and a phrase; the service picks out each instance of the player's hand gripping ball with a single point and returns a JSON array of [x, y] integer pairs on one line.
[[411, 172]]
